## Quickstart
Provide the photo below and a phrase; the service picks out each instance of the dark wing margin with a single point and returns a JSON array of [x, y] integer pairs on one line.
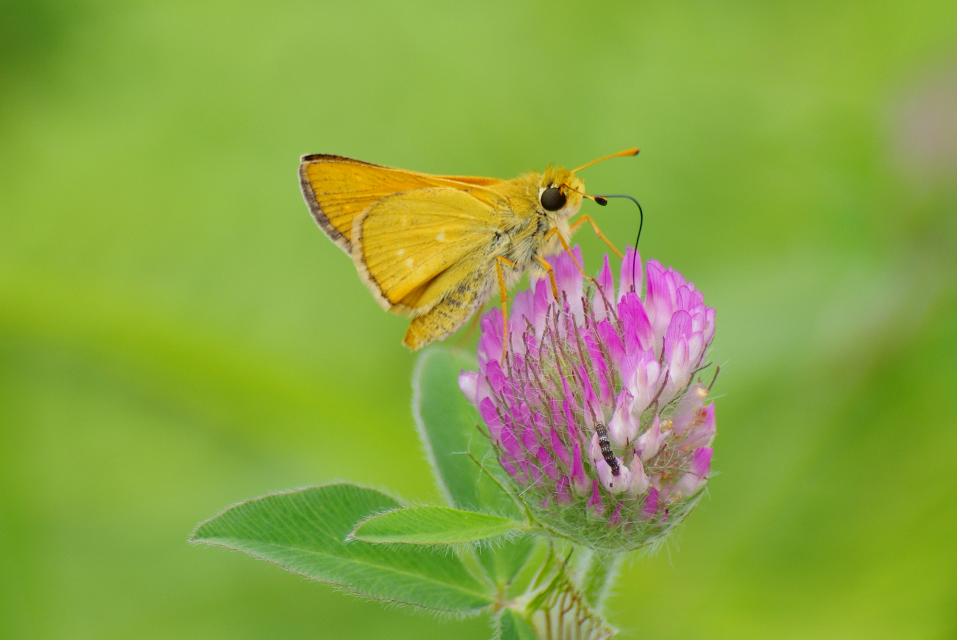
[[313, 204]]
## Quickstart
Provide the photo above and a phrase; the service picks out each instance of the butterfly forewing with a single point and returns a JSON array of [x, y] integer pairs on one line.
[[338, 189]]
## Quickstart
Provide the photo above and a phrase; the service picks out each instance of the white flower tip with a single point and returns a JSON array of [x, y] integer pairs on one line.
[[468, 381]]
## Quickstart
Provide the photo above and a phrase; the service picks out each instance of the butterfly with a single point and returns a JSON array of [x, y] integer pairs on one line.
[[433, 247]]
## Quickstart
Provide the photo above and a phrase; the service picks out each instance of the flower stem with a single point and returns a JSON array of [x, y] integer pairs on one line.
[[598, 570]]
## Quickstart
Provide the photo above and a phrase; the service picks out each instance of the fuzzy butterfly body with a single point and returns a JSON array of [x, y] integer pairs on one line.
[[433, 247]]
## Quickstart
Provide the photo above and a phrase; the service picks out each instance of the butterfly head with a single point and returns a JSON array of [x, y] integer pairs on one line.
[[560, 192]]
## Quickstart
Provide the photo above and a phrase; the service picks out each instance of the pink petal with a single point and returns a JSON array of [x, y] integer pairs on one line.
[[622, 428], [631, 272], [652, 502]]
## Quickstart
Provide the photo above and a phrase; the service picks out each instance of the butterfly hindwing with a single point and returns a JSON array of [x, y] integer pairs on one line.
[[415, 247]]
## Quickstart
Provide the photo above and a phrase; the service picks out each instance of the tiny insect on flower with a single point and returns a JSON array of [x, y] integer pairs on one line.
[[595, 408]]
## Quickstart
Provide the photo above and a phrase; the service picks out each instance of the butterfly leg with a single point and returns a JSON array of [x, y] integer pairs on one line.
[[586, 218], [501, 262], [549, 270], [566, 248]]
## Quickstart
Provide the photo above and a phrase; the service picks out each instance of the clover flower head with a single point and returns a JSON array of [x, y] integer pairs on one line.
[[594, 407]]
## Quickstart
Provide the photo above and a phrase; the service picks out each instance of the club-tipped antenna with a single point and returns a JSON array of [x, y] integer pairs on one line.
[[601, 199], [633, 151]]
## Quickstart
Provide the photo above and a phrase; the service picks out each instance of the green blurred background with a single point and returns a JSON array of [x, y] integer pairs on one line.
[[176, 334]]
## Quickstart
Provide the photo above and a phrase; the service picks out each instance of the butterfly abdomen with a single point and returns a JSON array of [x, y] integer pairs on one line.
[[453, 309]]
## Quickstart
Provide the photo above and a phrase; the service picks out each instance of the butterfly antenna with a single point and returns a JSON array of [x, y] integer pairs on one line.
[[633, 151], [601, 199]]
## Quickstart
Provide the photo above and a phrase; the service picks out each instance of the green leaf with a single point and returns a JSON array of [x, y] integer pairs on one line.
[[511, 625], [448, 426], [526, 577], [503, 560], [433, 526], [305, 531]]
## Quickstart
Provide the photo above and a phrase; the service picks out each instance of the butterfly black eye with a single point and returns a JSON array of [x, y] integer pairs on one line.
[[552, 199]]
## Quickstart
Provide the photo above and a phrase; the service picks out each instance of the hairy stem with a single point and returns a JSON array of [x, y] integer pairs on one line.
[[596, 573]]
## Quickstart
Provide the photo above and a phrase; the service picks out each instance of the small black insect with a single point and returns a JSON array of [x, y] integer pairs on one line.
[[606, 450]]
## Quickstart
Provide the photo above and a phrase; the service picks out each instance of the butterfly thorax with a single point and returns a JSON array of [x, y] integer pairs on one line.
[[525, 229]]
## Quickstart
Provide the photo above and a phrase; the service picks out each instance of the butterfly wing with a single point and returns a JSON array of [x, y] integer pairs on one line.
[[338, 189], [416, 248]]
